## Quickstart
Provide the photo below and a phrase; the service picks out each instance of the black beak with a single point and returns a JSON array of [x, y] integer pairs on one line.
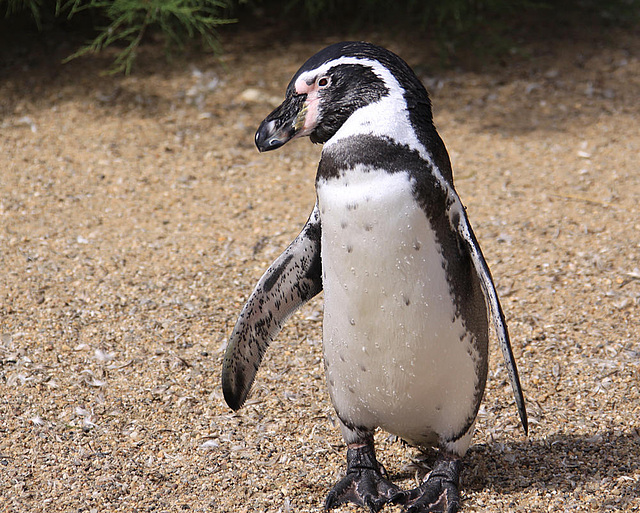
[[282, 124]]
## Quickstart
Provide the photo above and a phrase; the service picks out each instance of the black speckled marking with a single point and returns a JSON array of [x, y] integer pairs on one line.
[[276, 274], [464, 283], [293, 279]]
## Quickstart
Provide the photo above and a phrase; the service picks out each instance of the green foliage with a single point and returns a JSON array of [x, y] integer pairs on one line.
[[452, 18], [124, 23], [129, 20], [17, 6], [449, 15]]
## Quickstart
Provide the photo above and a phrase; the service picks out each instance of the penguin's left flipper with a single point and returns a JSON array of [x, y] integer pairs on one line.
[[292, 280], [461, 224], [439, 492]]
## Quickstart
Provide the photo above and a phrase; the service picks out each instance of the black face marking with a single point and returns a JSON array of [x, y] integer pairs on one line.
[[352, 86]]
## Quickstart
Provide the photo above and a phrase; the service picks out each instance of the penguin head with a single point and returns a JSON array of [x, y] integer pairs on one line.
[[334, 84]]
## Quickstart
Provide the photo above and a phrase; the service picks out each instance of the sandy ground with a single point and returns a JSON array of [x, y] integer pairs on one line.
[[136, 216]]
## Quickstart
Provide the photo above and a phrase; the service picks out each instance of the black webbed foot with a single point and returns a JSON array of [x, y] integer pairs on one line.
[[439, 492], [364, 483]]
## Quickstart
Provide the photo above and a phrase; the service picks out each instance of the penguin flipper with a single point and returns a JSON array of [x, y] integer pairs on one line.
[[461, 223], [289, 282]]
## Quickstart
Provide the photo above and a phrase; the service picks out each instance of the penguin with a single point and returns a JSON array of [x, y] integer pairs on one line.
[[408, 294]]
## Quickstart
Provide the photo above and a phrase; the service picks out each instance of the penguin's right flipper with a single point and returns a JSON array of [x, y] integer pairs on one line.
[[491, 295], [292, 280]]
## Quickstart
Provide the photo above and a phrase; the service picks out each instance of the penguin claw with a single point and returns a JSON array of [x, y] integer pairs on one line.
[[364, 483], [439, 493], [444, 500], [364, 487]]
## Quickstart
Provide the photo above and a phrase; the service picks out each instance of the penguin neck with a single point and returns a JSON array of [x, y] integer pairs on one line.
[[388, 118]]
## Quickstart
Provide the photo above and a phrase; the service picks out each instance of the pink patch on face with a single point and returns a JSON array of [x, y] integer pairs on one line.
[[302, 87], [310, 105]]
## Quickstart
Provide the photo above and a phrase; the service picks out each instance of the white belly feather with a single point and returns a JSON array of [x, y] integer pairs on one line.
[[397, 356]]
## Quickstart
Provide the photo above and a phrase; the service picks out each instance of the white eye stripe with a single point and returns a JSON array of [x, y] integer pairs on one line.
[[382, 72]]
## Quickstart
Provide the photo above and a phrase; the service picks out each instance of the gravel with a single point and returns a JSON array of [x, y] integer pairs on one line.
[[136, 216]]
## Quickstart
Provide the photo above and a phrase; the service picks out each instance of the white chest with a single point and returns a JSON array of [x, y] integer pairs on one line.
[[396, 354]]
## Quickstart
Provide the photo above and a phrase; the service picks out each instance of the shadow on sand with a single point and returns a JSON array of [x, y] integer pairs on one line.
[[561, 462]]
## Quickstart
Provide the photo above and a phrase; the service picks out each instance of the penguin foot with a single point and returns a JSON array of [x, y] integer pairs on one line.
[[439, 492], [364, 483]]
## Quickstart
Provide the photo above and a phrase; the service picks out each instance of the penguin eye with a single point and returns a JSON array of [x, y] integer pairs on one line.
[[323, 81]]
